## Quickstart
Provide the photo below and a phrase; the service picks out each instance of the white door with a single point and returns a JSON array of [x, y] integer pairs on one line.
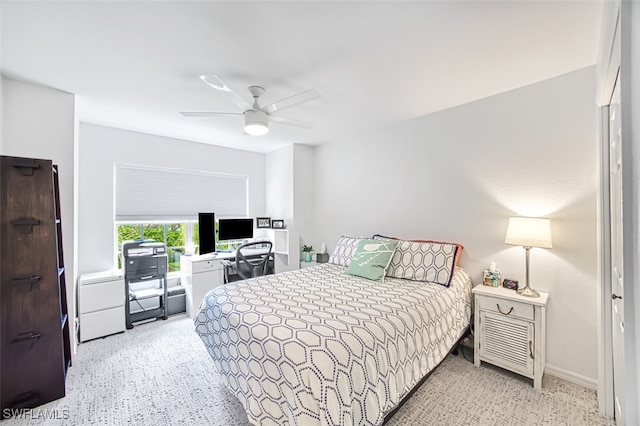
[[617, 279]]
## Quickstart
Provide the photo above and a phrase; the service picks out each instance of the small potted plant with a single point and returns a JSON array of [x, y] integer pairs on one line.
[[306, 251]]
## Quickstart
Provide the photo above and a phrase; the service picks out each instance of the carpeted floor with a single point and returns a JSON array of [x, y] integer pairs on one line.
[[160, 374]]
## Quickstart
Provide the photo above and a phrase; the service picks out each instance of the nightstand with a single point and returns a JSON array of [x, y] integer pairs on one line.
[[510, 331], [304, 264]]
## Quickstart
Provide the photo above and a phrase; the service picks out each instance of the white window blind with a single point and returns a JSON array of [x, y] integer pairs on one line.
[[161, 194]]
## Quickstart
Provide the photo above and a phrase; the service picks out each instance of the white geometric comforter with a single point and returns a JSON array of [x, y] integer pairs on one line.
[[317, 346]]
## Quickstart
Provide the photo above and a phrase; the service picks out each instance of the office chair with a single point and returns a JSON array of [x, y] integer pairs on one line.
[[251, 267]]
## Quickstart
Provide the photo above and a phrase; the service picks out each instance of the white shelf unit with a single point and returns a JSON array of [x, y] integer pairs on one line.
[[286, 247]]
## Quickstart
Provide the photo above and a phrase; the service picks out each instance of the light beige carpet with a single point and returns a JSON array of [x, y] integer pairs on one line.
[[160, 374]]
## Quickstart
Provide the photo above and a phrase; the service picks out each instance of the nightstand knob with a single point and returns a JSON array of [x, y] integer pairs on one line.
[[615, 296]]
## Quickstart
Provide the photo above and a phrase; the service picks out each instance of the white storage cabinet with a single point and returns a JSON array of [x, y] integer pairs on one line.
[[200, 274], [101, 304], [510, 331]]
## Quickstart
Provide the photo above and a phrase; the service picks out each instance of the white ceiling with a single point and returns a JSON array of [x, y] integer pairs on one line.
[[135, 64]]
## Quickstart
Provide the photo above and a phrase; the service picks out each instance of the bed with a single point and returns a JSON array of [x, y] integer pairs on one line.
[[322, 346]]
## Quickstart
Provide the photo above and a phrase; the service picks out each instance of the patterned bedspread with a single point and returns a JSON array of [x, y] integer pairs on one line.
[[316, 346]]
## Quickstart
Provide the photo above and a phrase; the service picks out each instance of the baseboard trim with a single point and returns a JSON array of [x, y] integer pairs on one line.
[[563, 374]]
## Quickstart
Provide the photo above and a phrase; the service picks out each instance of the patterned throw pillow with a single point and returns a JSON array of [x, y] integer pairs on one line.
[[431, 261], [459, 247], [343, 253], [371, 259]]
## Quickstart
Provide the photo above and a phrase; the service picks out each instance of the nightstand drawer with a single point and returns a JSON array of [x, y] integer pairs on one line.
[[507, 308]]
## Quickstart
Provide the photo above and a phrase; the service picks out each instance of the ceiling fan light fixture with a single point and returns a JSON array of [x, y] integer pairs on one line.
[[256, 117], [256, 123]]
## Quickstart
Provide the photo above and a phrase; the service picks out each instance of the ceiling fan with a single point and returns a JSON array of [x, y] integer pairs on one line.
[[256, 117]]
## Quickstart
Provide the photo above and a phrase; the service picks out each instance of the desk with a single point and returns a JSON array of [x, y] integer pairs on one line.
[[202, 273]]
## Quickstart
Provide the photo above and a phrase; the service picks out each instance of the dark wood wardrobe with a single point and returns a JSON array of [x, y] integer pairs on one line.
[[35, 350]]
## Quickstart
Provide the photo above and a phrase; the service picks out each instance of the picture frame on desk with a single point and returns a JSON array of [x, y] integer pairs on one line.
[[263, 222], [277, 224]]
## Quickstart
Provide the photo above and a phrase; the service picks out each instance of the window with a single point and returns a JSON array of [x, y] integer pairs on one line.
[[153, 194], [180, 238], [163, 204], [173, 235]]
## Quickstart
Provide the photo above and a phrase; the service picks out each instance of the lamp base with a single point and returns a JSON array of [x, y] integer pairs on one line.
[[528, 292]]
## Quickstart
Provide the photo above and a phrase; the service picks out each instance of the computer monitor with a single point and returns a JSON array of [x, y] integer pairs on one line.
[[207, 232], [235, 229]]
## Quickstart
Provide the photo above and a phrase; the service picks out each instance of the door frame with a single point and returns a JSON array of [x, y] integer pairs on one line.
[[605, 334], [607, 72], [620, 49]]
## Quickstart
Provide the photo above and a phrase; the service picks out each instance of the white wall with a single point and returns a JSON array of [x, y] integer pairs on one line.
[[457, 175], [304, 192], [39, 122], [290, 182], [279, 185], [100, 147]]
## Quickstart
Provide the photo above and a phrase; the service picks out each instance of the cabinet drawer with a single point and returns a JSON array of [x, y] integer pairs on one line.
[[206, 265], [101, 323], [99, 296], [507, 308]]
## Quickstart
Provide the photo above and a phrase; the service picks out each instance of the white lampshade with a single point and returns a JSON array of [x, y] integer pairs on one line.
[[256, 123], [529, 232]]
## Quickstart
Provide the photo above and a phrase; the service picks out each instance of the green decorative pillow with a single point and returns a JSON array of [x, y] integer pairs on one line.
[[371, 259]]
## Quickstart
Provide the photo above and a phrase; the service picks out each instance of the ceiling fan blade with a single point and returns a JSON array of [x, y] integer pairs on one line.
[[218, 84], [214, 82], [207, 114], [290, 121], [307, 95]]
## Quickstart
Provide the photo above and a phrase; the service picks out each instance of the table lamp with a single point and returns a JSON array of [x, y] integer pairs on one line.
[[528, 232]]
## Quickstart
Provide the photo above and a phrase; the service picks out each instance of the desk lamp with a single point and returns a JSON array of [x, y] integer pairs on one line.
[[529, 232]]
